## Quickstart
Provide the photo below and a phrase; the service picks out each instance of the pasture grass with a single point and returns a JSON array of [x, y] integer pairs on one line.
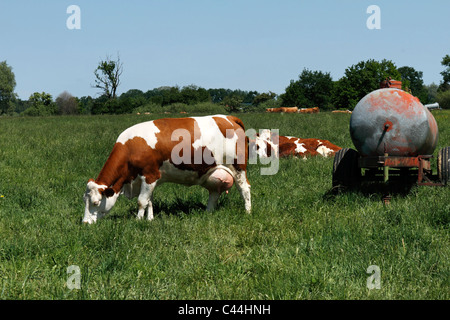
[[300, 242]]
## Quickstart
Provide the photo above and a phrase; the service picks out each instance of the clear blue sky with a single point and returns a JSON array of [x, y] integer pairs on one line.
[[237, 44]]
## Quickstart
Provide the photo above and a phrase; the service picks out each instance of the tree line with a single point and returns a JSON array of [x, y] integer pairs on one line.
[[317, 89], [311, 89]]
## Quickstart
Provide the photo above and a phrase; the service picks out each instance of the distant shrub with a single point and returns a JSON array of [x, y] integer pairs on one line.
[[176, 107], [443, 98], [41, 104], [31, 112], [149, 107], [205, 107], [272, 103]]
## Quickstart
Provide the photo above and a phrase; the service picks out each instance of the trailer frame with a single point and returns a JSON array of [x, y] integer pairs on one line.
[[424, 173], [348, 165]]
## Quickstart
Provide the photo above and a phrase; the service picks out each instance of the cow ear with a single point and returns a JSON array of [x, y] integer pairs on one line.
[[108, 192]]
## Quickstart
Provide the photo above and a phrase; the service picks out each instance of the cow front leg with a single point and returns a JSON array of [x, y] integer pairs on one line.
[[244, 189], [145, 199]]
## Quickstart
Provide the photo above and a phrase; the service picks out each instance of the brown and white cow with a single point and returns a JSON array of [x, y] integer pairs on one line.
[[289, 110], [306, 147], [209, 151], [309, 110], [341, 111], [283, 109], [267, 144]]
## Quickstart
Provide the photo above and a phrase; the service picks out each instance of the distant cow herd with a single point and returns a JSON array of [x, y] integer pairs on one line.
[[301, 110], [293, 110]]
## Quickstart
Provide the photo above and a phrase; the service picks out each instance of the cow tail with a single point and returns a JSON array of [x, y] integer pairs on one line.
[[238, 121]]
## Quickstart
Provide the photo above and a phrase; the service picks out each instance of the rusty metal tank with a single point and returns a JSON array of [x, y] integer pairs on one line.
[[393, 121]]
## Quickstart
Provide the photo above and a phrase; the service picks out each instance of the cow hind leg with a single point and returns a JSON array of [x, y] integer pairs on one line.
[[244, 189], [212, 201], [145, 199]]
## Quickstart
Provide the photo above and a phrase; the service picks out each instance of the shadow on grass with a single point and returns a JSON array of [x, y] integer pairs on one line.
[[178, 207], [373, 190]]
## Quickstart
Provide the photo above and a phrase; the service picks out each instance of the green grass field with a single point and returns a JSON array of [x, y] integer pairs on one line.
[[300, 242]]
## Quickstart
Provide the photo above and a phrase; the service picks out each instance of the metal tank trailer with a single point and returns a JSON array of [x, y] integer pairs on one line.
[[395, 137]]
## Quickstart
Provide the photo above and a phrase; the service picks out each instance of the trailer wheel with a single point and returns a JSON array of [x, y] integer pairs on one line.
[[346, 172], [443, 165]]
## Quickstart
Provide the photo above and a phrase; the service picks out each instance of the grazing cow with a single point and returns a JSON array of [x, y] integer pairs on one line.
[[213, 153], [273, 110], [289, 110], [309, 110], [341, 111], [283, 109], [288, 146]]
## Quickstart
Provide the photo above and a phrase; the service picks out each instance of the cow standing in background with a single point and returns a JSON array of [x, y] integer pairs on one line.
[[341, 111], [283, 110], [309, 110], [213, 153]]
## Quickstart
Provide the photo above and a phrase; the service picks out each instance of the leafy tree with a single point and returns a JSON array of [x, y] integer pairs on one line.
[[233, 103], [164, 95], [218, 95], [263, 97], [413, 80], [432, 92], [249, 97], [193, 94], [157, 99], [443, 98], [203, 95], [107, 76], [360, 79], [131, 100], [85, 104], [446, 73], [21, 105], [104, 105], [155, 96], [445, 83], [312, 89], [7, 85], [41, 104], [171, 95], [133, 93]]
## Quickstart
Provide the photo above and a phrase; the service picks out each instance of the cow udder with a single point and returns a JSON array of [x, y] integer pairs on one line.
[[219, 181]]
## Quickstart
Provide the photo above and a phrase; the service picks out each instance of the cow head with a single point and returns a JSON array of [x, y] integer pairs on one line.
[[99, 200], [267, 143]]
